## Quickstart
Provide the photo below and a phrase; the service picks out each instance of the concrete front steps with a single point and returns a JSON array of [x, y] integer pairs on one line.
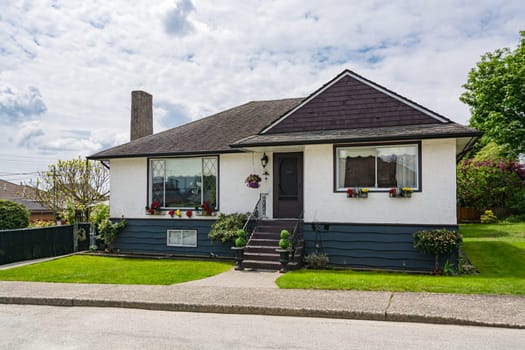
[[260, 253]]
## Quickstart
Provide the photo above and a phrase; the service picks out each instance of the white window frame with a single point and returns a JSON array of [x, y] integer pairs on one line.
[[150, 181], [376, 189], [181, 233]]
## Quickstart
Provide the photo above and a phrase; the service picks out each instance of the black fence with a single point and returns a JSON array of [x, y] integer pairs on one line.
[[34, 243]]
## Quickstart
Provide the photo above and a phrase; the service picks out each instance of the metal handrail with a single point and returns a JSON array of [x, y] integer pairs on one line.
[[255, 216], [294, 237]]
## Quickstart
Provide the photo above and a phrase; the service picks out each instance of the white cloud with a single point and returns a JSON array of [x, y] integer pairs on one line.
[[16, 105], [198, 58]]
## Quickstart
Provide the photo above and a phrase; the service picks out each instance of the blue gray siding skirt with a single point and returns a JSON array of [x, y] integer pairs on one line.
[[371, 246], [150, 236], [367, 246]]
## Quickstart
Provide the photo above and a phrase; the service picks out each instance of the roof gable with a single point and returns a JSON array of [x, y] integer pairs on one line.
[[350, 101]]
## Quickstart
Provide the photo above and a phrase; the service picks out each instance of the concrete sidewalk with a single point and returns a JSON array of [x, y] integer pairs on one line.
[[254, 292]]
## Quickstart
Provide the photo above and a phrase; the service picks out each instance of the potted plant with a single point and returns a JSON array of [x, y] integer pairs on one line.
[[349, 192], [171, 213], [252, 181], [406, 192], [189, 213], [284, 250], [363, 192], [153, 208], [207, 209], [392, 192], [238, 248]]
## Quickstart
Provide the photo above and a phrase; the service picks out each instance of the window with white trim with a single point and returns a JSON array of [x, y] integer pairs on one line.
[[184, 182], [377, 167], [182, 238]]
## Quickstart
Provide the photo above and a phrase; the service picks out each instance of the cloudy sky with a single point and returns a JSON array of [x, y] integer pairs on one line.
[[67, 68]]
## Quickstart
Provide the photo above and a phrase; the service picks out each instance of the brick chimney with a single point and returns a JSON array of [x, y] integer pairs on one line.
[[141, 115]]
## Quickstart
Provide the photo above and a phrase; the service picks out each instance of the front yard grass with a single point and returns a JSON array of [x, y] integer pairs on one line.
[[497, 250], [95, 269]]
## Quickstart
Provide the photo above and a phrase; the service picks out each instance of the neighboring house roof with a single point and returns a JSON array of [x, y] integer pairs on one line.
[[213, 134], [349, 108], [21, 194]]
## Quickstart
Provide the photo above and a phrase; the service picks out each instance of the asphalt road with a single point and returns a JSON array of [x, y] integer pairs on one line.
[[50, 327]]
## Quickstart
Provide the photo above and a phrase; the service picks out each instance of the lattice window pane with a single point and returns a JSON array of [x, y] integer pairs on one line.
[[158, 171], [209, 181]]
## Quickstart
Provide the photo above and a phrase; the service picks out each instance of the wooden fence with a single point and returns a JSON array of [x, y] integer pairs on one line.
[[466, 215]]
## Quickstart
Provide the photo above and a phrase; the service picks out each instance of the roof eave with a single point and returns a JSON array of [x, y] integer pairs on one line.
[[357, 139], [162, 154]]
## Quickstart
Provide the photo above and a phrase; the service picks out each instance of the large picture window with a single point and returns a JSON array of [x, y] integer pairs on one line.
[[184, 182], [377, 167]]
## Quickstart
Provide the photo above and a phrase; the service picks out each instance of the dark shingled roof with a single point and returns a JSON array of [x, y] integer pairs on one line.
[[349, 108], [407, 132], [213, 134]]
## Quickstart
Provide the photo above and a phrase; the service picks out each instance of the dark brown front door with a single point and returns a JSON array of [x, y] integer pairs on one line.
[[288, 185]]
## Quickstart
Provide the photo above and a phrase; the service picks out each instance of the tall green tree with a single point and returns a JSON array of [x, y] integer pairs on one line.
[[495, 92], [75, 183]]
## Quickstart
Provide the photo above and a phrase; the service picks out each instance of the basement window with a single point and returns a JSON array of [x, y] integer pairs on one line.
[[182, 238]]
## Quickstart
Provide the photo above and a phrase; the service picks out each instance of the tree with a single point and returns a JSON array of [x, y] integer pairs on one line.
[[496, 96], [74, 184], [491, 184], [13, 215]]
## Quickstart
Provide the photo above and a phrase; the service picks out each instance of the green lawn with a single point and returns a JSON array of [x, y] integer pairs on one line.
[[94, 269], [497, 250]]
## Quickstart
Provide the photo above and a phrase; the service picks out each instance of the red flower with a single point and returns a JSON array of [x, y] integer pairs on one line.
[[189, 213], [206, 207], [155, 205], [393, 190], [171, 213]]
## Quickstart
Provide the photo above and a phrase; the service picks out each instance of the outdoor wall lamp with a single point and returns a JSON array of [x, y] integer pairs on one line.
[[264, 163], [264, 160]]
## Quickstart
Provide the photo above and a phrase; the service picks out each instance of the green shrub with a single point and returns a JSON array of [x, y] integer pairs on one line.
[[515, 218], [316, 260], [240, 241], [226, 227], [284, 243], [99, 213], [285, 234], [108, 231], [13, 215], [488, 217], [439, 242]]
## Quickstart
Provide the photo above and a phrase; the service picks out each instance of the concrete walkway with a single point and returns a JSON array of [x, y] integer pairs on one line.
[[239, 279]]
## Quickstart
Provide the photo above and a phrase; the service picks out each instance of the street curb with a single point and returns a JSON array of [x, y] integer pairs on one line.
[[254, 310]]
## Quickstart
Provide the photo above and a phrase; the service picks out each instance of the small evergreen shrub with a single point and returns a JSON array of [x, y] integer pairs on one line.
[[439, 242], [13, 215], [284, 243], [488, 217], [285, 234], [240, 241], [316, 260]]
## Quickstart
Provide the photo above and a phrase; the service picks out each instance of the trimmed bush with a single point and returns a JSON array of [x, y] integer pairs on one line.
[[13, 215], [240, 241], [439, 242], [285, 234], [284, 243], [316, 260], [488, 217]]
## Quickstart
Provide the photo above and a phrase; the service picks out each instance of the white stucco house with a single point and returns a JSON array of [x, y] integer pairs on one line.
[[349, 134]]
